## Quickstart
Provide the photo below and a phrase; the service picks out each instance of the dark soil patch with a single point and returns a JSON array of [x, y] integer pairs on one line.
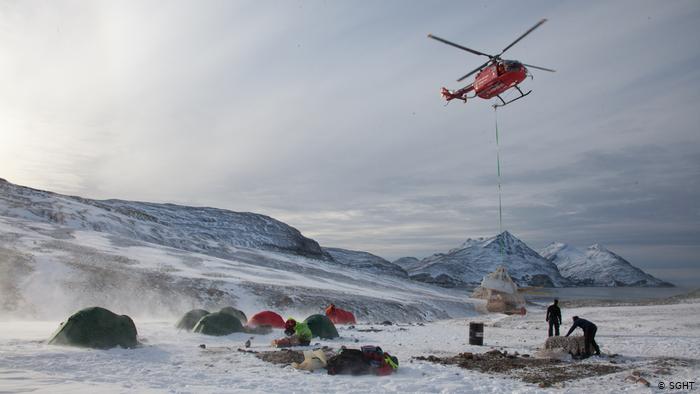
[[491, 361], [544, 372], [284, 356], [550, 375]]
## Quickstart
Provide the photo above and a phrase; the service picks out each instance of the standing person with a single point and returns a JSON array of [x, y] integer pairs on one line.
[[589, 330], [554, 318]]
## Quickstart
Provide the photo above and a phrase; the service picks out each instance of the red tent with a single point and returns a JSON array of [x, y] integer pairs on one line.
[[339, 316], [266, 318]]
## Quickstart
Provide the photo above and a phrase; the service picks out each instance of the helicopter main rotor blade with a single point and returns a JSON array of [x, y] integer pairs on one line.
[[540, 68], [523, 36], [475, 70], [442, 40]]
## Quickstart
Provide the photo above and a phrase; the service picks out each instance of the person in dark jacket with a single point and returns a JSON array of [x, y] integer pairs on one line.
[[554, 318], [589, 330]]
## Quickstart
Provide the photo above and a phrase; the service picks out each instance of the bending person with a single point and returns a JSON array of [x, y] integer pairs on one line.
[[589, 330]]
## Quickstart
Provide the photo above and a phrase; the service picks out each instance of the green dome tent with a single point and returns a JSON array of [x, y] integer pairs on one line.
[[218, 324], [96, 328], [190, 319], [321, 326], [237, 313]]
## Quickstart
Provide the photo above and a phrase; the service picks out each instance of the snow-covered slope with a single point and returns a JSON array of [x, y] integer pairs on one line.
[[212, 231], [364, 261], [468, 264], [50, 271], [597, 266], [59, 254]]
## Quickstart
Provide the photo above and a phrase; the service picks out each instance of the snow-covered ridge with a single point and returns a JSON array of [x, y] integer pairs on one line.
[[475, 258], [212, 231], [597, 266], [407, 263], [364, 261]]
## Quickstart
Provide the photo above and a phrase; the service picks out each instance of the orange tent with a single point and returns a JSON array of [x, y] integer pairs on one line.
[[340, 316]]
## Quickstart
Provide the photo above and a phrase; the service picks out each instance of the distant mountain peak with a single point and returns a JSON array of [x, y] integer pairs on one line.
[[467, 264], [597, 266], [599, 247], [506, 239]]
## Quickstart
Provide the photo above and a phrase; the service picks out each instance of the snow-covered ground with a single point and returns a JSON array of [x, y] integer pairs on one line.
[[172, 361]]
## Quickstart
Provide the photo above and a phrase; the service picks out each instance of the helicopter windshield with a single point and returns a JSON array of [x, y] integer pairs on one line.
[[512, 65]]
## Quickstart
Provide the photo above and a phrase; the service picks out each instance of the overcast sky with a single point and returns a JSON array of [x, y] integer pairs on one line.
[[327, 116]]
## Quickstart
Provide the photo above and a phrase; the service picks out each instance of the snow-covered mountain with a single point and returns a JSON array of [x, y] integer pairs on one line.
[[212, 231], [468, 264], [364, 261], [60, 253], [597, 266]]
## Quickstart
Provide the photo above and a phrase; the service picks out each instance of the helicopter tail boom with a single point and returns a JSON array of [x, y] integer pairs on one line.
[[460, 94]]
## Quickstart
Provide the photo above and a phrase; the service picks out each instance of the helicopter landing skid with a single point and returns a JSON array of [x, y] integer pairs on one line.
[[515, 99]]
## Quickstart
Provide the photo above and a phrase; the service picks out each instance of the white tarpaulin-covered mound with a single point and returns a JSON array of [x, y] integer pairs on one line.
[[501, 293], [574, 345]]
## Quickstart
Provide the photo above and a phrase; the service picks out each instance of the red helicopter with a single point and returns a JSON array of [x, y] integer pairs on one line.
[[495, 76]]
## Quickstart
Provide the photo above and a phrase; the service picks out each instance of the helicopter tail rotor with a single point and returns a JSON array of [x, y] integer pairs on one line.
[[449, 95], [446, 94], [460, 94]]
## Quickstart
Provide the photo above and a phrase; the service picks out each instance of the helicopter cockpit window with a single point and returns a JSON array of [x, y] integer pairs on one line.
[[512, 66]]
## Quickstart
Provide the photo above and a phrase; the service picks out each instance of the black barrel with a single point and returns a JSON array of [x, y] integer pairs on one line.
[[476, 333]]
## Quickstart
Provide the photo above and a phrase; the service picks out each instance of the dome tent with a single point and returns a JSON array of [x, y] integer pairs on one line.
[[96, 328], [235, 312], [218, 324], [321, 326], [190, 319], [340, 316], [266, 318], [501, 293]]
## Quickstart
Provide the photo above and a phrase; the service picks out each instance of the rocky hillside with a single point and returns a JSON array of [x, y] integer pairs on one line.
[[597, 266], [212, 231]]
